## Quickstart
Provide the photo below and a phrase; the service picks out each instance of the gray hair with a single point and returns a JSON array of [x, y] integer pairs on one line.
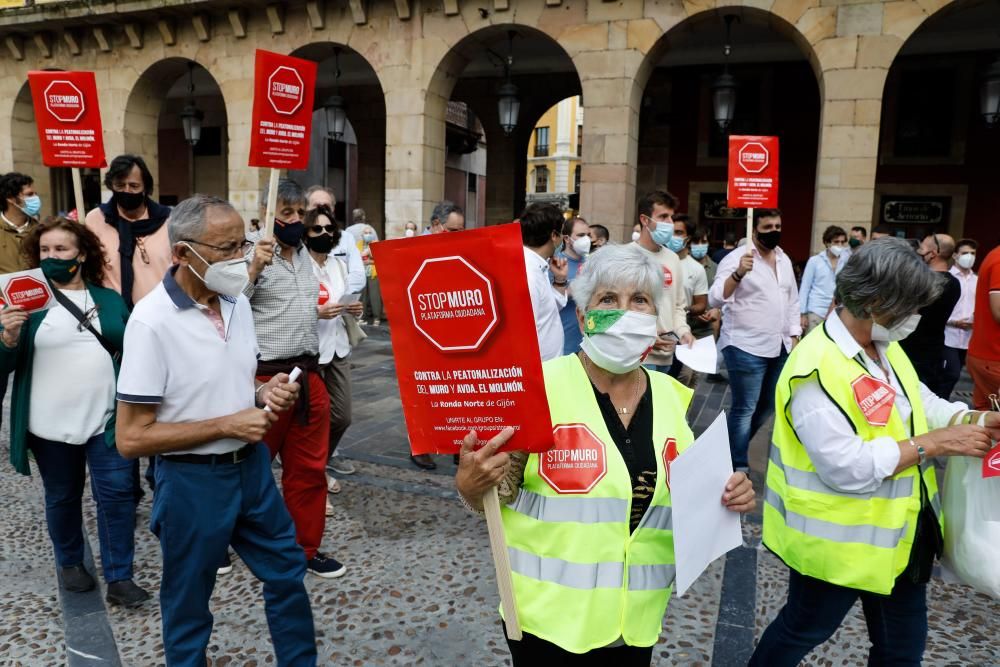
[[444, 209], [187, 219], [288, 191], [886, 278], [617, 266]]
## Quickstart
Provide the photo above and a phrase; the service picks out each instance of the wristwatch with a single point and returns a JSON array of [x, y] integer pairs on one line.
[[921, 452]]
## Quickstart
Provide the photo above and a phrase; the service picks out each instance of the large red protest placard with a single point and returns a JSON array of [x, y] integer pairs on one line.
[[464, 338], [753, 172], [282, 111], [68, 119]]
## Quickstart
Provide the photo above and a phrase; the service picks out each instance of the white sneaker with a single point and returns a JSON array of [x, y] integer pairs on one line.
[[227, 565]]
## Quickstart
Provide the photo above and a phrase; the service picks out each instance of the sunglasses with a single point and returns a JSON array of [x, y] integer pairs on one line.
[[318, 229]]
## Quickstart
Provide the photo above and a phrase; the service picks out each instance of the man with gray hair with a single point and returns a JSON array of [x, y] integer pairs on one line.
[[284, 295], [447, 217], [187, 395]]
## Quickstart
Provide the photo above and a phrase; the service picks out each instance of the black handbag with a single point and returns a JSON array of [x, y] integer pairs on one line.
[[116, 354]]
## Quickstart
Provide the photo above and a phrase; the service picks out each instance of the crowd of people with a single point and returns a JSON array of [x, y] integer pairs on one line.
[[184, 333]]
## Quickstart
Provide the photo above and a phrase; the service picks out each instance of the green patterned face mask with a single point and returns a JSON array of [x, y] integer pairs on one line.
[[618, 340]]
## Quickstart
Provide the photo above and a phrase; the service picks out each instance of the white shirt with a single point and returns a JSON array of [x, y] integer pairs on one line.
[[695, 278], [964, 309], [332, 333], [175, 359], [72, 377], [546, 301], [347, 252], [671, 311], [762, 313], [842, 459]]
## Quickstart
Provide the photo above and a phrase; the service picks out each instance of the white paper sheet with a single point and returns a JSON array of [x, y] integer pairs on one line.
[[703, 528], [702, 357], [348, 299]]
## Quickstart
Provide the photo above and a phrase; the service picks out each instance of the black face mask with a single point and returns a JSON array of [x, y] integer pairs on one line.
[[289, 233], [129, 201], [322, 244], [769, 240]]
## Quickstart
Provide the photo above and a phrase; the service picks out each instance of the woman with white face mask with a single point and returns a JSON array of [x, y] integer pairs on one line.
[[573, 541], [852, 506], [819, 276]]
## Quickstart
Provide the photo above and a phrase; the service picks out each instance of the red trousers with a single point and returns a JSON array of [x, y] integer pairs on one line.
[[303, 449], [986, 380]]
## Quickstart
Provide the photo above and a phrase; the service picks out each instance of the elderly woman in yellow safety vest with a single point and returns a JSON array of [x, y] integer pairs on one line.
[[588, 523], [852, 504]]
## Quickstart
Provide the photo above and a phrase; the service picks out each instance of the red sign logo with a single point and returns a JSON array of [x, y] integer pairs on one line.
[[669, 454], [324, 294], [28, 292], [991, 463], [668, 277], [285, 90], [753, 157], [875, 398], [577, 461], [452, 304], [64, 101]]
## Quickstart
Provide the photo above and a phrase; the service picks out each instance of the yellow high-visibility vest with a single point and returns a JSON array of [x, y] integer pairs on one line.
[[582, 580], [856, 540]]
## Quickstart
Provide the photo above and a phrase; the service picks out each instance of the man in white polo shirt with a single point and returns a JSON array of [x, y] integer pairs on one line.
[[541, 233], [187, 394]]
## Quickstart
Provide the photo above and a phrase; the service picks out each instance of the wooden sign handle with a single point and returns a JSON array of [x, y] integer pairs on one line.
[[750, 231], [272, 202], [81, 213], [501, 560]]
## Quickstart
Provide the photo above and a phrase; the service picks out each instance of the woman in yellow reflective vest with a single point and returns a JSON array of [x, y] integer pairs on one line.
[[589, 522], [851, 504]]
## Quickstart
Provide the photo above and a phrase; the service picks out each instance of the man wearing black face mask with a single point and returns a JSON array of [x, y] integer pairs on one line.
[[130, 227], [283, 292], [756, 290]]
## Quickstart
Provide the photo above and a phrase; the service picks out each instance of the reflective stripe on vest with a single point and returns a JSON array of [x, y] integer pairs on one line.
[[650, 577], [657, 517], [584, 576], [559, 509], [886, 538], [806, 480]]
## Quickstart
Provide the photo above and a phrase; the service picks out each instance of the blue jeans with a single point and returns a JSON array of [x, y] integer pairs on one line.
[[752, 380], [198, 511], [897, 623], [63, 468]]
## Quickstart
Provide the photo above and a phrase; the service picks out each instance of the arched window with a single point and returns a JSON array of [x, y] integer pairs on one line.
[[541, 179]]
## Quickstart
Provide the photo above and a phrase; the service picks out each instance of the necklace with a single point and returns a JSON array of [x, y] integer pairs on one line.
[[636, 382]]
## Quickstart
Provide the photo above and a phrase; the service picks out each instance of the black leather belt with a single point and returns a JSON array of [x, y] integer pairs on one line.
[[238, 456]]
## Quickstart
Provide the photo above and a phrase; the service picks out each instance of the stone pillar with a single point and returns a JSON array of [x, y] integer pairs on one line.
[[854, 74], [369, 127]]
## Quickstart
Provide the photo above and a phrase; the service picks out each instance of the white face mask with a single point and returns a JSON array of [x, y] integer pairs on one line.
[[836, 250], [409, 232], [896, 332], [618, 340], [635, 236], [966, 260], [581, 246], [227, 277]]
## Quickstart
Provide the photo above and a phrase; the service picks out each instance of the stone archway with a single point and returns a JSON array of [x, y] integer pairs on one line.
[[153, 130]]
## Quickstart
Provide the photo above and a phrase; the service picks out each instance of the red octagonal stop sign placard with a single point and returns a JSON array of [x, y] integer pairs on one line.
[[874, 398], [576, 462], [285, 90], [452, 304], [64, 101], [27, 291], [753, 172]]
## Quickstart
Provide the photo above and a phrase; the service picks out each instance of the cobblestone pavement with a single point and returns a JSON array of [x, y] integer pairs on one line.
[[420, 587]]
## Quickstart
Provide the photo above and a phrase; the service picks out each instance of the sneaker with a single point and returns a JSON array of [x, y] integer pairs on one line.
[[332, 485], [423, 461], [323, 566], [126, 594], [376, 323], [226, 566], [76, 579], [341, 466]]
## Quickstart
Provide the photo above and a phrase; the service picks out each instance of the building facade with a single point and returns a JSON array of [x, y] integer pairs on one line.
[[878, 104], [554, 151]]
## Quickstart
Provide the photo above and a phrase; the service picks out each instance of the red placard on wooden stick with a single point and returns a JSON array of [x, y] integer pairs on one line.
[[753, 176]]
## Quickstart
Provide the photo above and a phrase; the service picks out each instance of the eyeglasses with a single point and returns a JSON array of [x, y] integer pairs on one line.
[[88, 317], [230, 249], [317, 229]]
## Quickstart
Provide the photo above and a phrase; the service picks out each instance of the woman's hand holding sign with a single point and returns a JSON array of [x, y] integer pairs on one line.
[[12, 319], [480, 466]]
